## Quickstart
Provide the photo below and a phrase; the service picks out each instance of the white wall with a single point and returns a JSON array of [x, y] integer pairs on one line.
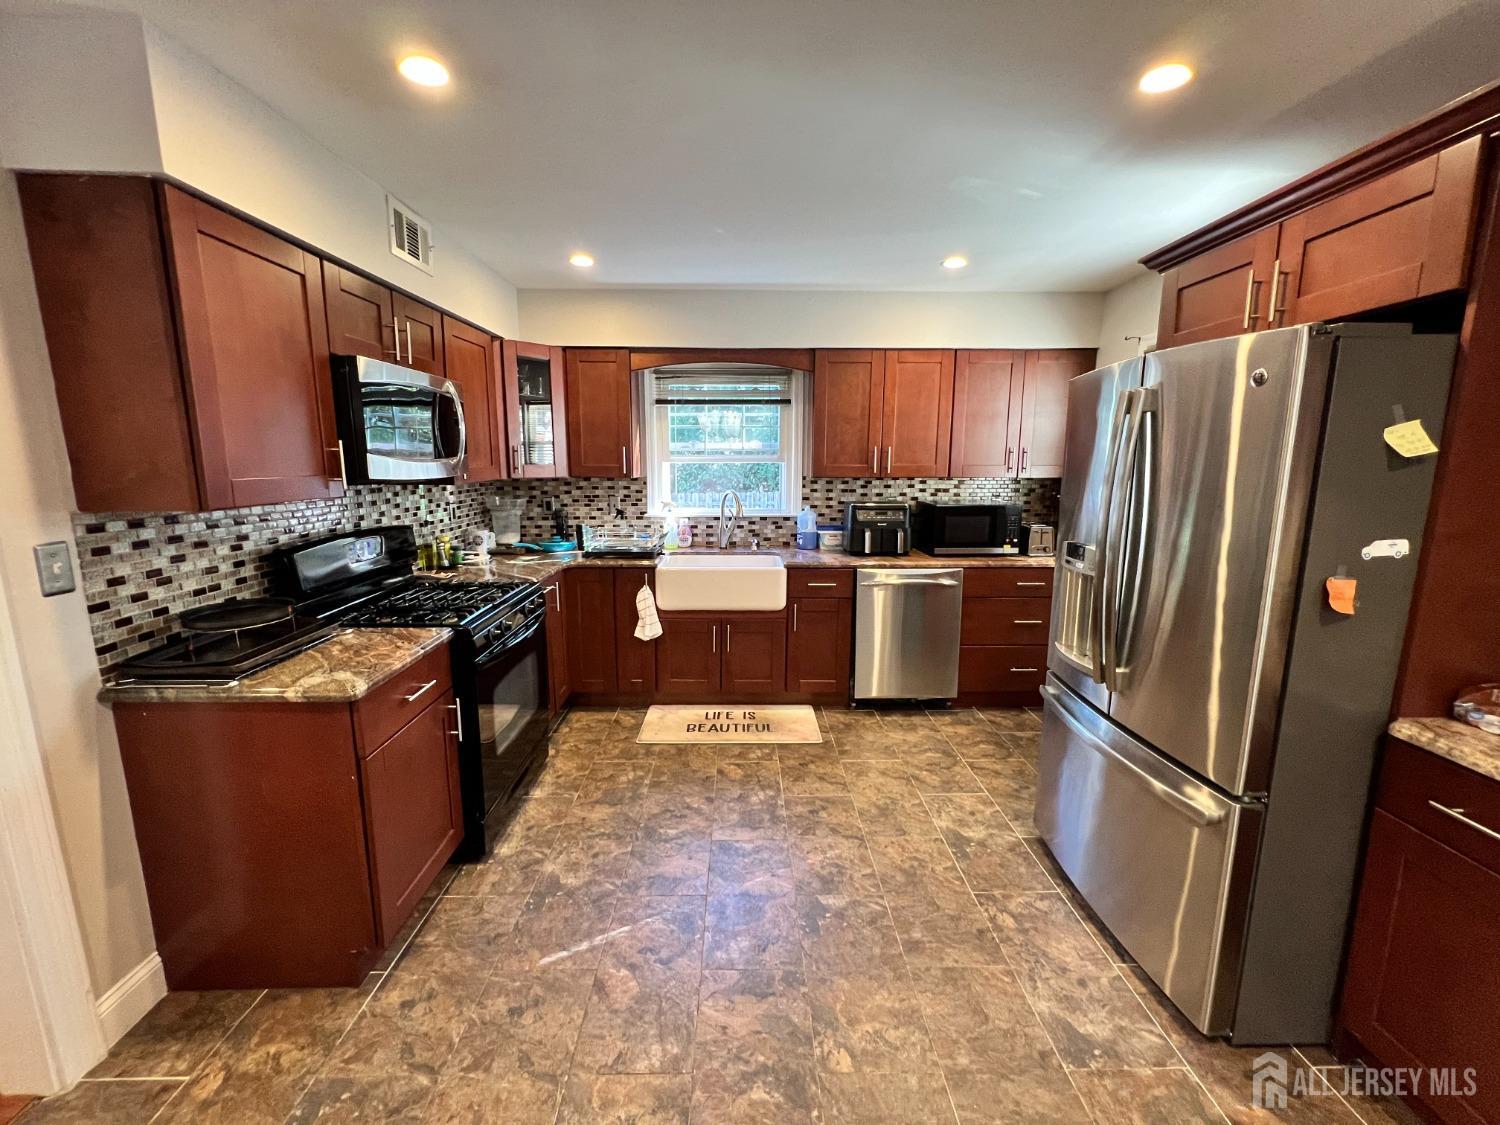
[[76, 733], [749, 318], [1130, 310], [100, 91]]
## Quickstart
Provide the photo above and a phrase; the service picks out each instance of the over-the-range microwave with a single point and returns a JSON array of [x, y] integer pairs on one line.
[[395, 423]]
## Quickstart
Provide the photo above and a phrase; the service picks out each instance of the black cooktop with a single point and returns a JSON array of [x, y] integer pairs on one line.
[[226, 657], [439, 602]]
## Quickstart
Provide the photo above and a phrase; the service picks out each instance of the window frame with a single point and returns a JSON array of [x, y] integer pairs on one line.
[[654, 446]]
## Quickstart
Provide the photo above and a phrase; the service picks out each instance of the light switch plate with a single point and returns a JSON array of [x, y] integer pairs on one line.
[[54, 569]]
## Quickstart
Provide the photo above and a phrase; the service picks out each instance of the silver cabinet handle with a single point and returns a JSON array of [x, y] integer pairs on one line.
[[715, 639], [794, 617], [1272, 310], [1031, 583], [343, 472], [1024, 451], [887, 460], [515, 458], [875, 460], [1250, 314], [1027, 621], [396, 336], [1025, 669], [458, 718], [820, 585], [726, 637], [1010, 453], [421, 691], [1458, 815], [624, 463], [409, 358]]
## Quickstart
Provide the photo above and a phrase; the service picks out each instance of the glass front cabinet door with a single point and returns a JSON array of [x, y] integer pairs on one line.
[[534, 409]]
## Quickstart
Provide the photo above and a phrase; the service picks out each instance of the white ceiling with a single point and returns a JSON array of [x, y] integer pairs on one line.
[[846, 144]]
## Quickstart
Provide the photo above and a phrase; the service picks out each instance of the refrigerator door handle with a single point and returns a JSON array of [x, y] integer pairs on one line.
[[1140, 766], [1108, 584], [1129, 559], [1095, 609]]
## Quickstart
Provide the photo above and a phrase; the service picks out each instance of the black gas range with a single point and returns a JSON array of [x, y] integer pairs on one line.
[[366, 579]]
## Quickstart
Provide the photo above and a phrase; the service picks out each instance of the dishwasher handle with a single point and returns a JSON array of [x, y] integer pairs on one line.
[[913, 582]]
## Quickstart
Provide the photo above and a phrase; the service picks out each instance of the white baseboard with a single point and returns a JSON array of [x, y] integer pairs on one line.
[[130, 998]]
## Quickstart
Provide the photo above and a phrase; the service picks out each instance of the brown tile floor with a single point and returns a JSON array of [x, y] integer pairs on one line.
[[860, 931]]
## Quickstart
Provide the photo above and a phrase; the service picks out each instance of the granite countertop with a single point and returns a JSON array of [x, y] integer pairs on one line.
[[541, 567], [344, 668], [1465, 745]]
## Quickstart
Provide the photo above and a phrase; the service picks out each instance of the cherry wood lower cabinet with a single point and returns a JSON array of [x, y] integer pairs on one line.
[[589, 607], [559, 669], [280, 847], [635, 659], [1422, 981], [820, 632], [1002, 655], [741, 656]]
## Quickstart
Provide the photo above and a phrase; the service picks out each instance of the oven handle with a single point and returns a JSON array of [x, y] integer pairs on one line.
[[525, 633]]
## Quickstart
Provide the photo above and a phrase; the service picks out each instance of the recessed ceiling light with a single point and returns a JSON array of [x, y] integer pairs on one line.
[[955, 262], [581, 260], [1160, 79], [424, 70]]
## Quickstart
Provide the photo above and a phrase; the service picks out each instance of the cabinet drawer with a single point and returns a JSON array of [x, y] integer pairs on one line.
[[1005, 621], [819, 582], [1007, 668], [1413, 783], [401, 699], [1008, 582]]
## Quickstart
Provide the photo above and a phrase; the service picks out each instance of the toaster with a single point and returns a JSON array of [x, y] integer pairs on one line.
[[1039, 539]]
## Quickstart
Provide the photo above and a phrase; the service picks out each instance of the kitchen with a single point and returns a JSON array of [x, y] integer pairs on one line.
[[339, 824]]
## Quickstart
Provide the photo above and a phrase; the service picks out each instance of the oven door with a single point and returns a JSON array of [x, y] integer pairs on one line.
[[398, 424], [505, 727]]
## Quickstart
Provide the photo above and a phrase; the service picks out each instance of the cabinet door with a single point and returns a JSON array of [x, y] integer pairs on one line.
[[360, 320], [1403, 236], [847, 390], [1220, 293], [469, 358], [917, 425], [421, 334], [687, 658], [601, 415], [635, 660], [559, 674], [253, 329], [413, 815], [817, 647], [1424, 962], [753, 660], [1044, 407], [986, 438], [589, 601], [535, 398]]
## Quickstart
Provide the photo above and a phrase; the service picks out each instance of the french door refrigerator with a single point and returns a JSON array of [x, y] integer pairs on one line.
[[1210, 719]]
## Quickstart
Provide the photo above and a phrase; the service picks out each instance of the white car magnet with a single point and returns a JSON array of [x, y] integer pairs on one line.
[[1387, 549]]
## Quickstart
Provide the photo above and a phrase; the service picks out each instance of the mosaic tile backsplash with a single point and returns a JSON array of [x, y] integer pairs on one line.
[[140, 570]]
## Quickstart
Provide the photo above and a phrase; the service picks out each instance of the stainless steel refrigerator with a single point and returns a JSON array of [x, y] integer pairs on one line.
[[1211, 720]]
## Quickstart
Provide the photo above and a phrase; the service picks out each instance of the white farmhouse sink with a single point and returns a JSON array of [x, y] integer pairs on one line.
[[721, 582]]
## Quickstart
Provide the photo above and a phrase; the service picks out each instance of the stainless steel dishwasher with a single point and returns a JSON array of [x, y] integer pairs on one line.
[[906, 624]]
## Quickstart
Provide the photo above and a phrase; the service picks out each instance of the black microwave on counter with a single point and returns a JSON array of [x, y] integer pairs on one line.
[[968, 529]]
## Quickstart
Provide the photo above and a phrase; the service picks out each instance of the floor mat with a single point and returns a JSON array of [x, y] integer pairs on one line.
[[730, 724]]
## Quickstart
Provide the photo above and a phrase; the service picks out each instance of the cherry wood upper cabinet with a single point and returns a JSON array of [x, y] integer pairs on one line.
[[1222, 292], [469, 356], [1402, 236], [360, 316], [602, 439], [917, 417], [421, 334], [1044, 407], [255, 338], [986, 431], [534, 395], [848, 394]]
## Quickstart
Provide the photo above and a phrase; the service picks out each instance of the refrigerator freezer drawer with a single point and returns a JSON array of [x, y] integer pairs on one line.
[[1164, 860]]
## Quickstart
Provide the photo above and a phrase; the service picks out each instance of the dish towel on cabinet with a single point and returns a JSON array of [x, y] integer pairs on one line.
[[647, 625]]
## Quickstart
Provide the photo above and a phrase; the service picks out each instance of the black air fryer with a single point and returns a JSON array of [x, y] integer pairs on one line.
[[877, 527]]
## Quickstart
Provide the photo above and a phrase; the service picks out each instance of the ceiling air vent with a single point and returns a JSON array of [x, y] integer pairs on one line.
[[411, 235]]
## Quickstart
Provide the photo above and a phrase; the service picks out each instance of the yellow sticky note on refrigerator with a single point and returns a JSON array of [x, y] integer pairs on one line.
[[1409, 439]]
